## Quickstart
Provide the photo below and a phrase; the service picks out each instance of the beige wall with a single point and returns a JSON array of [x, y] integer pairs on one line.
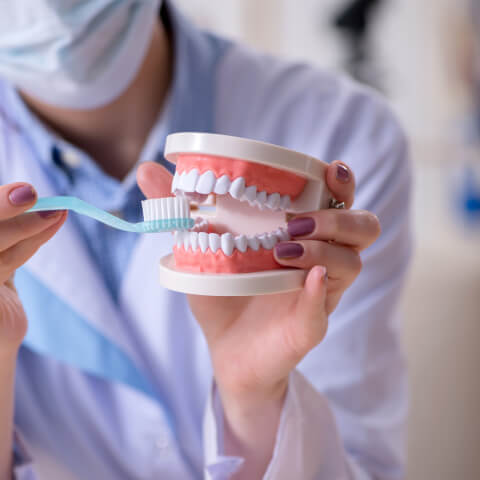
[[442, 298]]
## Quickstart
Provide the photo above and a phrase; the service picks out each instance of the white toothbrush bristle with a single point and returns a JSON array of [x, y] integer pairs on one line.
[[167, 208]]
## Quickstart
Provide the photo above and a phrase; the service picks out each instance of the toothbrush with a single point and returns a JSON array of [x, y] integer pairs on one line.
[[160, 214]]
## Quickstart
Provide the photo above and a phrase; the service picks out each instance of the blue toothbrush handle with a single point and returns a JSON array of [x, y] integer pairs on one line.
[[83, 208]]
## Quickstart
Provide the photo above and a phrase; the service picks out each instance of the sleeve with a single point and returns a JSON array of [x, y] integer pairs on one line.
[[217, 465], [307, 446], [359, 368], [22, 462], [345, 417]]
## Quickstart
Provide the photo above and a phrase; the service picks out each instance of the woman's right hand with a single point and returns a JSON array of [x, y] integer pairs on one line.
[[21, 235]]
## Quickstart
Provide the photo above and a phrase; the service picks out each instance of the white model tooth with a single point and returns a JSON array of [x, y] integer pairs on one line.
[[263, 240], [181, 181], [176, 179], [227, 243], [282, 235], [237, 188], [203, 241], [206, 182], [273, 201], [176, 235], [285, 202], [241, 243], [194, 240], [273, 238], [186, 240], [250, 193], [261, 198], [190, 181], [253, 243], [214, 242], [180, 239], [222, 185], [266, 241]]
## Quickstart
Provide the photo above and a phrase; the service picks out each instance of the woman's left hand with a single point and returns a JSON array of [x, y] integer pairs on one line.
[[255, 342]]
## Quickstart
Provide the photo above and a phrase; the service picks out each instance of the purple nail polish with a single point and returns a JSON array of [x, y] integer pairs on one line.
[[301, 226], [22, 195], [343, 175], [48, 214], [286, 250]]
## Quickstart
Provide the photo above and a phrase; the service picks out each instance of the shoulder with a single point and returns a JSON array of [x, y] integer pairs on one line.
[[305, 108]]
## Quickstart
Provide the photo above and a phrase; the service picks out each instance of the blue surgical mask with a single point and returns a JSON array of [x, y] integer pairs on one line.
[[79, 54]]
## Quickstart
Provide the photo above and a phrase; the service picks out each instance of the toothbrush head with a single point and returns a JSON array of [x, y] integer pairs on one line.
[[166, 214]]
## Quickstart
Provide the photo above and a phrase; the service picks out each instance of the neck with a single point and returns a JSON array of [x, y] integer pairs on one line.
[[115, 134]]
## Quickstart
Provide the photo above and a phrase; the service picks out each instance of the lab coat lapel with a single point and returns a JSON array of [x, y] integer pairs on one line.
[[64, 265]]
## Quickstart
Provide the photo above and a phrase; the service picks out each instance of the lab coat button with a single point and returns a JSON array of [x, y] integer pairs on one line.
[[71, 158]]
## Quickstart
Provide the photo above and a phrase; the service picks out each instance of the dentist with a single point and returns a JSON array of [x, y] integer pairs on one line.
[[104, 374]]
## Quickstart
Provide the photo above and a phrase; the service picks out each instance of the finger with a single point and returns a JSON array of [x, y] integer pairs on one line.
[[9, 283], [309, 326], [17, 255], [314, 293], [15, 198], [154, 180], [355, 228], [341, 262], [24, 226], [341, 182]]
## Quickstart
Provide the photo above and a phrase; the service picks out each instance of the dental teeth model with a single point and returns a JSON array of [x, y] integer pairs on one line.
[[240, 192]]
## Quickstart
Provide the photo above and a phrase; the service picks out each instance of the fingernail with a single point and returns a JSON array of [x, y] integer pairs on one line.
[[301, 226], [48, 213], [22, 195], [325, 274], [343, 175], [286, 250]]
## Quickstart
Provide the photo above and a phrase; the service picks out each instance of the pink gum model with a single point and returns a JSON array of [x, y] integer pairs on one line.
[[268, 179]]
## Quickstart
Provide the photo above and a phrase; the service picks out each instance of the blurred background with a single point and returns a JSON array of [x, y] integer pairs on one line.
[[425, 57]]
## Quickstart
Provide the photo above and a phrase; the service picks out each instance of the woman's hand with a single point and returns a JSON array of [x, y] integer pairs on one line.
[[21, 235], [255, 342]]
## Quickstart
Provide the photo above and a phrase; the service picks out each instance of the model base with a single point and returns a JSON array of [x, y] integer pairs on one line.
[[229, 285]]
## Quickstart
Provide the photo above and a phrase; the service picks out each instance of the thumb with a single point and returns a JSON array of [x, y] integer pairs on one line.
[[311, 313], [154, 180]]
